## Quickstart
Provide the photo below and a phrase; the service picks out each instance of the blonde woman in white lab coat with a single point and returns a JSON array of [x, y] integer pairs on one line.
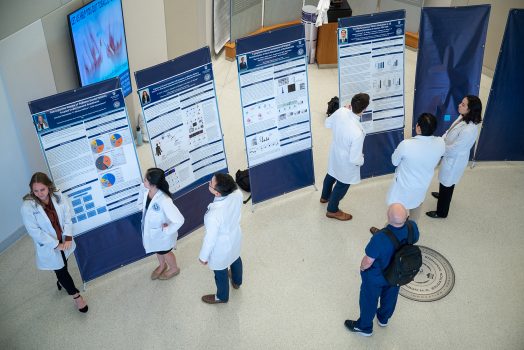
[[161, 220], [47, 217], [459, 138], [221, 246]]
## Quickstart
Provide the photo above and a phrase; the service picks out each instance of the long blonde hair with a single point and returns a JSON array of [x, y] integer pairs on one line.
[[43, 179]]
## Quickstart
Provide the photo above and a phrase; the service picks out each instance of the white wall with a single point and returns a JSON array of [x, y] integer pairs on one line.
[[25, 73], [185, 26], [146, 42], [15, 174]]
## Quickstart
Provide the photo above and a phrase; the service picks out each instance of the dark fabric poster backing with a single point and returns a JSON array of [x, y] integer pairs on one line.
[[503, 126], [449, 61]]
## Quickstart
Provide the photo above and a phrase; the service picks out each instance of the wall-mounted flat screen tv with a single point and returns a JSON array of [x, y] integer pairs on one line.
[[99, 42]]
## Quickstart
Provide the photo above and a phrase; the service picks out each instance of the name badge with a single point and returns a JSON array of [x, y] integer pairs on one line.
[[156, 207]]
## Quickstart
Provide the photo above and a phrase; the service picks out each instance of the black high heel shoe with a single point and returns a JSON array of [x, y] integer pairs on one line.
[[85, 308], [58, 285]]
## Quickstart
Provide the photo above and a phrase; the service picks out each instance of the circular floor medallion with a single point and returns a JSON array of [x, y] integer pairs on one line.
[[434, 280]]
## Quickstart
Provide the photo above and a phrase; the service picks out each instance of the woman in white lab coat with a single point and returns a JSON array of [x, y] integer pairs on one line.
[[459, 138], [221, 246], [47, 217], [161, 220]]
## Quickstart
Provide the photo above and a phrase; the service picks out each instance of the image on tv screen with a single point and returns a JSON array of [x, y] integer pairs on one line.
[[99, 41]]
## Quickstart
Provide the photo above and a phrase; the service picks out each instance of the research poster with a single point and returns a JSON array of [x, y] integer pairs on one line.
[[88, 145], [181, 114], [275, 103], [371, 60]]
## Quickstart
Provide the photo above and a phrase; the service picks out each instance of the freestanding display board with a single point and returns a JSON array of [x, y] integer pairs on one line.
[[180, 109], [272, 74], [88, 146], [449, 60], [503, 126], [371, 60]]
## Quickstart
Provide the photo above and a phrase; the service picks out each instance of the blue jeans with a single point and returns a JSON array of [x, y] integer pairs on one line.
[[222, 279], [333, 194], [372, 289]]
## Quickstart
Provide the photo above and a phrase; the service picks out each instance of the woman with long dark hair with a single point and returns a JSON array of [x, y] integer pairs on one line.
[[161, 220], [459, 138], [47, 217]]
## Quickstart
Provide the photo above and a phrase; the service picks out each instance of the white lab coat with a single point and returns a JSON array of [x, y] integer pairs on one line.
[[161, 211], [459, 139], [43, 234], [221, 246], [416, 160], [345, 154]]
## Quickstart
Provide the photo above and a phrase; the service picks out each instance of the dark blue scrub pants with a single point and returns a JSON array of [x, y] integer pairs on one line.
[[373, 288], [333, 194], [222, 279]]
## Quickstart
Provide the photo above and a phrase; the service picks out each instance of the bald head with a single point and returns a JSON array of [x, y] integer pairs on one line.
[[397, 215]]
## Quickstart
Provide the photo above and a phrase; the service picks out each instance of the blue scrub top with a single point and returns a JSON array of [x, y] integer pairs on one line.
[[382, 249]]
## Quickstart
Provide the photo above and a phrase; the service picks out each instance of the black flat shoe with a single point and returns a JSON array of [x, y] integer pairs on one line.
[[435, 194], [434, 215]]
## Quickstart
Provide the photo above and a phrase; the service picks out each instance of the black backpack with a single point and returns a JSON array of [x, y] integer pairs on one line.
[[406, 262], [242, 180], [333, 105]]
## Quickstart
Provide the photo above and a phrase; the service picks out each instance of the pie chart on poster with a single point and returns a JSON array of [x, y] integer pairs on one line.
[[97, 146], [107, 180], [116, 140], [103, 163]]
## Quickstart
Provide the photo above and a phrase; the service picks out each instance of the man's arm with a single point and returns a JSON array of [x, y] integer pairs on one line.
[[366, 263]]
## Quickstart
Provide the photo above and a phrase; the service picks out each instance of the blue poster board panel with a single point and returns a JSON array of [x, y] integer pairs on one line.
[[282, 175], [280, 54], [503, 127], [449, 62], [108, 247], [193, 206], [377, 150], [103, 243], [189, 80]]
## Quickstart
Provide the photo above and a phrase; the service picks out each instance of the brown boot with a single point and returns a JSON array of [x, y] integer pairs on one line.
[[339, 215]]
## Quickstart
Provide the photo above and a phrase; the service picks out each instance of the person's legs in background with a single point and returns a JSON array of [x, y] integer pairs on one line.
[[327, 188], [222, 283], [444, 200], [339, 191], [236, 273]]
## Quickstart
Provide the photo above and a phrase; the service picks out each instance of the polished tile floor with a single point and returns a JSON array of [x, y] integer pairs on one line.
[[301, 276]]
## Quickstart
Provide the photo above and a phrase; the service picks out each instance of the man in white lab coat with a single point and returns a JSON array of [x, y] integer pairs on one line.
[[221, 246], [416, 159], [345, 155]]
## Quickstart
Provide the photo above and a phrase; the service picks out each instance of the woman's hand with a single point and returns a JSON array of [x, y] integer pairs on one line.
[[67, 244]]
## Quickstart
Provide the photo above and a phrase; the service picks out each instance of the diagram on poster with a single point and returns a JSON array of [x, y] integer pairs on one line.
[[183, 121], [371, 60], [275, 104], [91, 155]]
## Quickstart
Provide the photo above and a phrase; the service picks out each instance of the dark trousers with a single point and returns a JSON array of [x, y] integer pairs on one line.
[[444, 200], [371, 290], [65, 279], [333, 194], [222, 279]]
